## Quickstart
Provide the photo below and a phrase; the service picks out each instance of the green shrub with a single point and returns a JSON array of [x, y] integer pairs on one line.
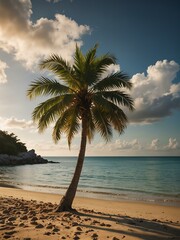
[[10, 144]]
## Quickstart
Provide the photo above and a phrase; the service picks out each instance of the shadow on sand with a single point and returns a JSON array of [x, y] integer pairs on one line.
[[135, 227]]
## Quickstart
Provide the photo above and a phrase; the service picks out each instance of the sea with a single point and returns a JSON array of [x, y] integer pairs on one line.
[[142, 179]]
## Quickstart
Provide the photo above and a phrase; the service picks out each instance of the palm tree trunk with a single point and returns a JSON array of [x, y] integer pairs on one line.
[[67, 200]]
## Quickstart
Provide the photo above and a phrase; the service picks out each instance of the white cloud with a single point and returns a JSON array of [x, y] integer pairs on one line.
[[155, 95], [174, 90], [3, 76], [14, 123], [134, 147], [29, 42], [154, 144], [172, 144], [124, 145]]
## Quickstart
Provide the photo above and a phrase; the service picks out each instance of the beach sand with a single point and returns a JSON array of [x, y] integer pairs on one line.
[[30, 215]]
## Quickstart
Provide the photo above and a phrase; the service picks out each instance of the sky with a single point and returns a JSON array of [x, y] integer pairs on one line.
[[143, 35]]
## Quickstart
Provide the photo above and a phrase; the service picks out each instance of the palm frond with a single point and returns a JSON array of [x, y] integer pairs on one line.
[[46, 86], [46, 119], [59, 126], [60, 68], [79, 60], [46, 113], [69, 123], [119, 98], [54, 63], [90, 57], [115, 80], [90, 73], [58, 104], [114, 113], [43, 107], [73, 124], [94, 68], [101, 102], [91, 127], [103, 62], [117, 118], [102, 123]]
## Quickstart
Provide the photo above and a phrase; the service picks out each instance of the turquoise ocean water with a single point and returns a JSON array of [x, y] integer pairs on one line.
[[151, 179]]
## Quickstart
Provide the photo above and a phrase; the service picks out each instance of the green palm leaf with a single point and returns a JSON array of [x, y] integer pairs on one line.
[[91, 127], [73, 124], [44, 107], [46, 86], [103, 62], [102, 123], [54, 105], [116, 80], [59, 126], [62, 69], [119, 98]]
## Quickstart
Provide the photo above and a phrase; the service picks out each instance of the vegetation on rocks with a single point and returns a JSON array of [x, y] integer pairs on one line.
[[10, 144], [13, 152]]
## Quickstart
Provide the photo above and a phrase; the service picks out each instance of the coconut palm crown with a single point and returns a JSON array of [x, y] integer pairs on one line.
[[81, 98]]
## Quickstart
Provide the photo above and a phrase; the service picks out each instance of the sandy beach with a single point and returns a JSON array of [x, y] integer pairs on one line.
[[30, 215]]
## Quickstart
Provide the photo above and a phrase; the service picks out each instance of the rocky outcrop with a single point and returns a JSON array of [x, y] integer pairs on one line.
[[23, 158]]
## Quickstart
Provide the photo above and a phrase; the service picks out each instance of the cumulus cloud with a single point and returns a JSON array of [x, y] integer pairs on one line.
[[124, 145], [154, 144], [135, 146], [3, 76], [172, 144], [155, 95], [28, 42], [14, 123]]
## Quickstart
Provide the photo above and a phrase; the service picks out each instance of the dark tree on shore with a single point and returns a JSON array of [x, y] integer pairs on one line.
[[81, 99], [10, 144]]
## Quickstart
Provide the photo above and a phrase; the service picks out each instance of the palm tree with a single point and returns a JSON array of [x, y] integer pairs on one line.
[[81, 98]]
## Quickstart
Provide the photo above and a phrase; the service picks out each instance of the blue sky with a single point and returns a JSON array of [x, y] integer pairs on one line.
[[143, 35]]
